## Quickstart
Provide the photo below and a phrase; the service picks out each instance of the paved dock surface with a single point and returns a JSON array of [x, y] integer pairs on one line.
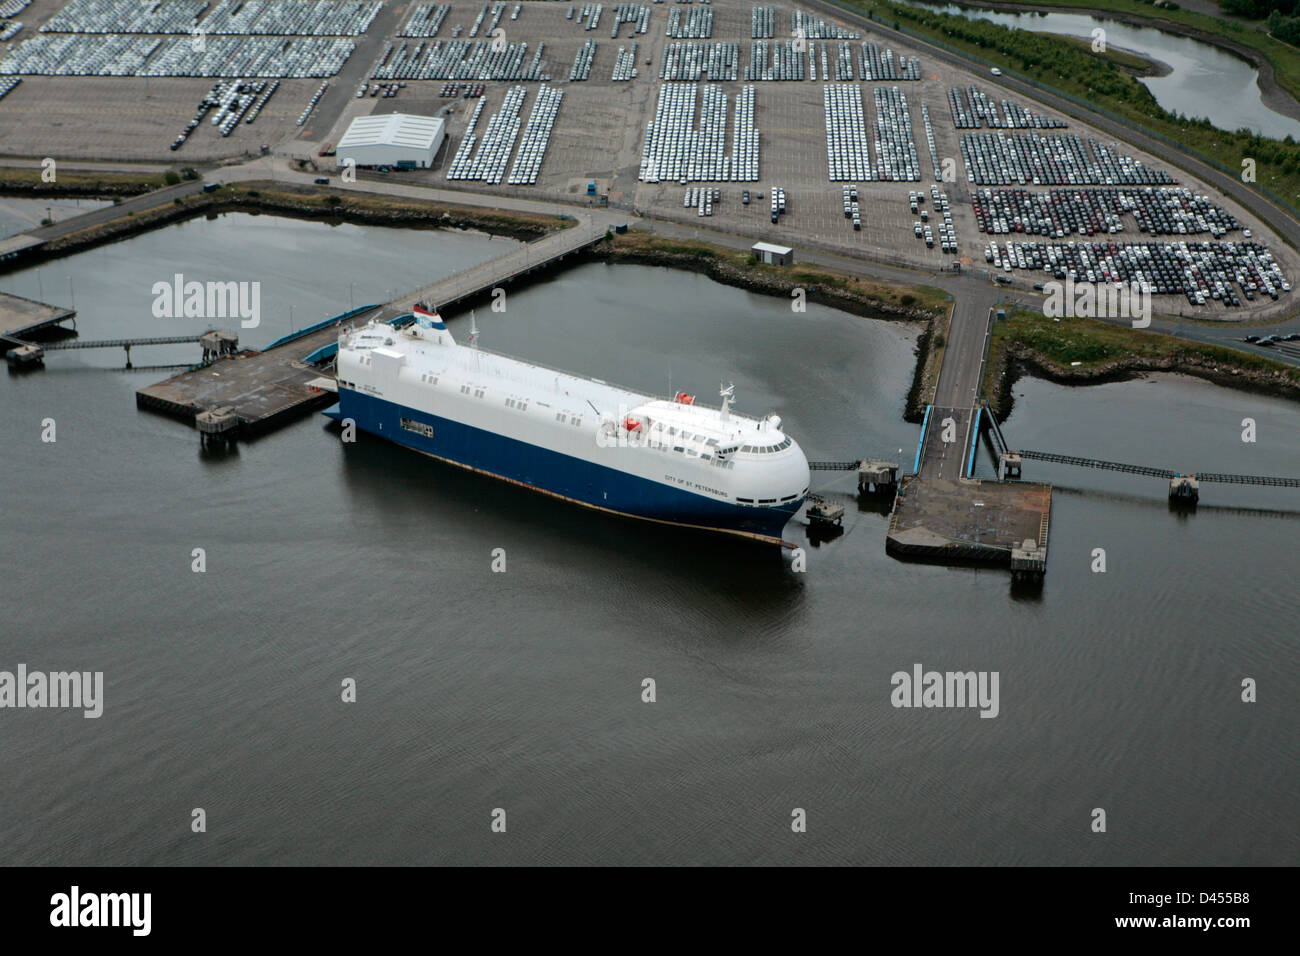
[[262, 389], [941, 518], [19, 316]]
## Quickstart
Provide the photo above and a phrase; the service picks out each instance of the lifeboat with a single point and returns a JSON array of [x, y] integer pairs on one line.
[[684, 399]]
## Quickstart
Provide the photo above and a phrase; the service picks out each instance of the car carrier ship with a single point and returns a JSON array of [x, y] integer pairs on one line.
[[580, 439]]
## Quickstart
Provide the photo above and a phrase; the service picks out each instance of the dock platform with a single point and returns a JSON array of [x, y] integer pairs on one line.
[[250, 392], [19, 317], [968, 520]]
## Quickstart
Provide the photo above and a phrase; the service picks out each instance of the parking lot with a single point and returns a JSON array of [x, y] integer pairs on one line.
[[598, 125]]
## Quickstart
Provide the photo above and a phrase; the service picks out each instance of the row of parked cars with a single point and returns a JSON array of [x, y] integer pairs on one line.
[[113, 16], [460, 60], [1272, 339], [425, 20], [693, 61], [320, 91], [695, 24], [625, 64], [489, 163], [1060, 159], [537, 136], [880, 65], [896, 159], [851, 208], [468, 90], [848, 151], [637, 14], [702, 198], [778, 203], [66, 54], [581, 69], [321, 18], [673, 149], [386, 90], [775, 60], [809, 27], [929, 141], [1201, 271], [921, 228], [1158, 211], [972, 108]]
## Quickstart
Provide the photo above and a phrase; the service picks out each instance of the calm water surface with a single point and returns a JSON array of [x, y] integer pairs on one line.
[[522, 690]]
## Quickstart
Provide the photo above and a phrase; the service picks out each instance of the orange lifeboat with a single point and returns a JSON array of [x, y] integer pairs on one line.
[[632, 424], [684, 399]]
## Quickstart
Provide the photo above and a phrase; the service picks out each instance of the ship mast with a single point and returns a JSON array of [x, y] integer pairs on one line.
[[728, 393]]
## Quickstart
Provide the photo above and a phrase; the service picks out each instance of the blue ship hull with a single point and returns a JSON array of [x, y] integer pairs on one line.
[[558, 474]]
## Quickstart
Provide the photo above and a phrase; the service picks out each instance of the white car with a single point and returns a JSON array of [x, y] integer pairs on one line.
[[996, 71]]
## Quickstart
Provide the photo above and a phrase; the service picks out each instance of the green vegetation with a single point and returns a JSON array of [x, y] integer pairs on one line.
[[733, 266], [1065, 67], [171, 177], [1284, 57], [29, 182], [1129, 62], [1100, 347]]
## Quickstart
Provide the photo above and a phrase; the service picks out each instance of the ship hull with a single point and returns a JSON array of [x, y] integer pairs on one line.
[[558, 474]]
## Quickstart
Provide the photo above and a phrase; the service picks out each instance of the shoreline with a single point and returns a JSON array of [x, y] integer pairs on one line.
[[929, 308], [295, 202], [1272, 94], [1213, 364]]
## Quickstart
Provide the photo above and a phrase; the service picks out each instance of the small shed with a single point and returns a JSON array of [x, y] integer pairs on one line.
[[766, 252]]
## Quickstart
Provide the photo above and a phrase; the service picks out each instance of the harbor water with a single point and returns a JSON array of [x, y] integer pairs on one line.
[[524, 689]]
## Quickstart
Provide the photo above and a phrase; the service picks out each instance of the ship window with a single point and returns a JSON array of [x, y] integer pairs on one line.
[[560, 417], [713, 442], [678, 448], [478, 393], [464, 389], [748, 448], [510, 403], [706, 458], [748, 501], [789, 497], [767, 501], [523, 406], [577, 422]]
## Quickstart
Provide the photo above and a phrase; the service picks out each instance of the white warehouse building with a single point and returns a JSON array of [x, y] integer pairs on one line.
[[392, 139]]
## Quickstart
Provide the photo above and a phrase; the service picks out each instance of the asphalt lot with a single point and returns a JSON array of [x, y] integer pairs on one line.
[[598, 136]]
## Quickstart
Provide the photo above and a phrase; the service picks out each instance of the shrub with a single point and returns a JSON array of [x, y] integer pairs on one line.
[[171, 178]]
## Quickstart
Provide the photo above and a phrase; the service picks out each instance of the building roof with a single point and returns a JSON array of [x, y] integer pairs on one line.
[[775, 250], [392, 129]]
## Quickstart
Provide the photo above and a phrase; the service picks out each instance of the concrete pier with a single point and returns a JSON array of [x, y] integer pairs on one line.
[[877, 476]]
